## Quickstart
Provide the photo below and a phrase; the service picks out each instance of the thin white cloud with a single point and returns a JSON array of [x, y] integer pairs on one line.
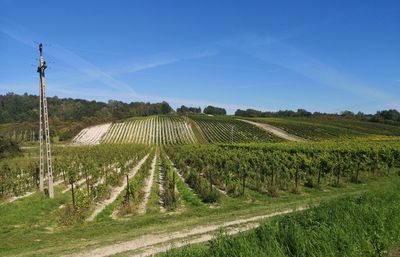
[[20, 87], [119, 88], [90, 72], [275, 51], [142, 65], [135, 67]]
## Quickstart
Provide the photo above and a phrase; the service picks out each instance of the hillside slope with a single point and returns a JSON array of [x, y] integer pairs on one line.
[[151, 130], [91, 135], [276, 131], [225, 129], [325, 128]]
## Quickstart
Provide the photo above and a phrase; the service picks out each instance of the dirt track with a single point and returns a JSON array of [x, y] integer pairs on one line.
[[276, 131], [156, 243], [115, 192], [147, 189]]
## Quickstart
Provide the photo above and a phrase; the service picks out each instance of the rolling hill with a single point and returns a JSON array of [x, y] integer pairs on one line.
[[203, 129], [172, 129]]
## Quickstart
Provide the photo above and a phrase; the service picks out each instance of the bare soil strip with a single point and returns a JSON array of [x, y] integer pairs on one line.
[[196, 239], [56, 183], [91, 135], [155, 243], [276, 131], [395, 252], [15, 198], [220, 190], [147, 189], [115, 192]]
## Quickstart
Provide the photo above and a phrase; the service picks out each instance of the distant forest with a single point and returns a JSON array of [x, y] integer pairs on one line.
[[391, 116], [25, 108], [19, 115]]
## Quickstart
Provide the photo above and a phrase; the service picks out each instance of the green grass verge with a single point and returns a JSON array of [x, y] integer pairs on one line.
[[23, 235], [365, 225], [187, 195]]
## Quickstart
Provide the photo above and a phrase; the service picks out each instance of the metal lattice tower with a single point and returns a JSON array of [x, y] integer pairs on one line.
[[44, 134]]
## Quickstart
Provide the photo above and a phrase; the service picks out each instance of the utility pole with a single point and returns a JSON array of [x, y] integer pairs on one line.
[[44, 135]]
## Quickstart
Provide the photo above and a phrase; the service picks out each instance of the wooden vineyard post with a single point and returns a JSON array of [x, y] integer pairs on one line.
[[127, 190], [73, 192]]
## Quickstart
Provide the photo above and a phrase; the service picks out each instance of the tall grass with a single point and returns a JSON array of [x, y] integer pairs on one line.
[[367, 225]]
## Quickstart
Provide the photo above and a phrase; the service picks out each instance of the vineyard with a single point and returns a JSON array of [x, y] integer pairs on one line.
[[203, 129], [19, 132], [89, 173], [200, 128], [122, 188], [219, 129], [208, 171], [271, 169], [172, 130], [135, 184], [157, 130], [91, 135], [330, 127]]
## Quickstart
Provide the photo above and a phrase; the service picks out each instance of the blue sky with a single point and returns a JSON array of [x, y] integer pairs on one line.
[[319, 55]]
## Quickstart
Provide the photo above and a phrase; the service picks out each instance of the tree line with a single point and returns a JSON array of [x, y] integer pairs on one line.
[[211, 110], [16, 108], [184, 110], [67, 116]]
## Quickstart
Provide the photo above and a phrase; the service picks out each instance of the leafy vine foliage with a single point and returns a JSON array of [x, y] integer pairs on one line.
[[283, 167], [89, 172]]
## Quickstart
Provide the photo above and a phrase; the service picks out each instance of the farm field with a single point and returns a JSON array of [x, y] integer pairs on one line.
[[109, 195], [325, 128]]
